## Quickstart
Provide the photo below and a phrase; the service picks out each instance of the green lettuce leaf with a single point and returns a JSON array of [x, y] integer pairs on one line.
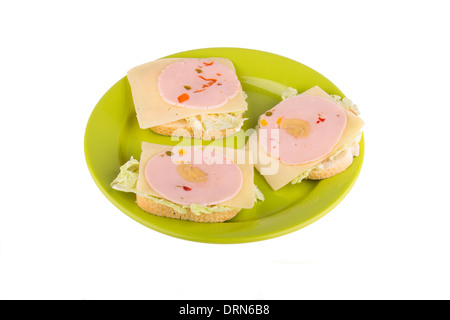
[[305, 174], [346, 103], [216, 121], [259, 196], [289, 92], [127, 178]]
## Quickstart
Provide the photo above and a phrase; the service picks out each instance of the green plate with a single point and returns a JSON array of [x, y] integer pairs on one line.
[[112, 136]]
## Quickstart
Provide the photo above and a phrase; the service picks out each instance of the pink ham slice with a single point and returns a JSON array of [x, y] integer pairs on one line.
[[223, 181], [198, 84], [326, 120]]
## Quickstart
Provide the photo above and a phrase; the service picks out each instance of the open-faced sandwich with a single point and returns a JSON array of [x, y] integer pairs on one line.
[[188, 97], [312, 135], [197, 183]]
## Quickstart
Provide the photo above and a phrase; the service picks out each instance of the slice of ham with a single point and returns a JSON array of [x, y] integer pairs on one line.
[[198, 84], [222, 179], [326, 122]]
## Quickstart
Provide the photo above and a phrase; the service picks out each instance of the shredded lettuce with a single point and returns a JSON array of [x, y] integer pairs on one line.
[[126, 181], [223, 121], [356, 139], [199, 209], [306, 173], [346, 103], [289, 92], [216, 121], [258, 194], [195, 123]]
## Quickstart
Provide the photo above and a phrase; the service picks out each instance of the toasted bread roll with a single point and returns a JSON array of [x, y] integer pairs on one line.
[[165, 211]]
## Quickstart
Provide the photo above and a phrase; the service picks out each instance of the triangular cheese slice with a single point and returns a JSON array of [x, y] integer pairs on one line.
[[152, 110], [278, 174]]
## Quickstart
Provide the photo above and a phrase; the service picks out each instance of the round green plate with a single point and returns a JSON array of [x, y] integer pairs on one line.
[[113, 136]]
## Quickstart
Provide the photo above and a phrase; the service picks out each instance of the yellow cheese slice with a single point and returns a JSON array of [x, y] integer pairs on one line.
[[245, 199], [153, 111], [278, 174]]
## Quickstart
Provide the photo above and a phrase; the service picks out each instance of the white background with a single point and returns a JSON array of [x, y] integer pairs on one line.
[[60, 238]]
